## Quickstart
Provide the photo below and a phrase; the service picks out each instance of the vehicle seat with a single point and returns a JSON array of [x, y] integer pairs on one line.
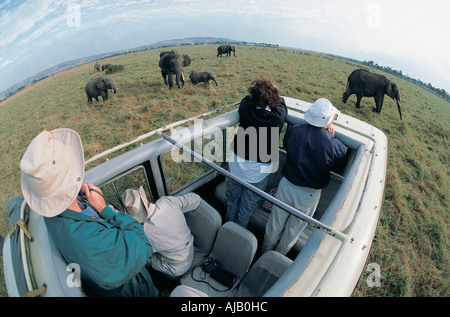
[[186, 291], [48, 266], [204, 223], [263, 274], [234, 248]]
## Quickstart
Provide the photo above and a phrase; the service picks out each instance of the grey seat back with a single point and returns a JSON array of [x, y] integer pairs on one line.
[[263, 274], [204, 223], [186, 291], [234, 248]]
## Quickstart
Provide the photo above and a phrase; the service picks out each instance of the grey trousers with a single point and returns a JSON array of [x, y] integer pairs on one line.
[[283, 229]]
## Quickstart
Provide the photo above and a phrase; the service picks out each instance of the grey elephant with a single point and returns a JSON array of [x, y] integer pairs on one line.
[[363, 83], [96, 67], [99, 87], [105, 66], [226, 49], [172, 63], [202, 77]]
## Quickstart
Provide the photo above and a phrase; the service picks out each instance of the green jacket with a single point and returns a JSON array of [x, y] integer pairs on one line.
[[111, 253]]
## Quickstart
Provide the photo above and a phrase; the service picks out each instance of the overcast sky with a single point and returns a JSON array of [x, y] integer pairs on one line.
[[411, 36]]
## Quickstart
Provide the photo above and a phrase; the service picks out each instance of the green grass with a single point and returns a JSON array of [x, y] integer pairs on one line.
[[412, 249]]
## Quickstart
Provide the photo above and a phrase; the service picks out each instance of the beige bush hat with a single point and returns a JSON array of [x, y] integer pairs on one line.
[[136, 204], [321, 113], [52, 171]]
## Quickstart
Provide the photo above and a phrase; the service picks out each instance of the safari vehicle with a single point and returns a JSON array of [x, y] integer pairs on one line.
[[191, 156]]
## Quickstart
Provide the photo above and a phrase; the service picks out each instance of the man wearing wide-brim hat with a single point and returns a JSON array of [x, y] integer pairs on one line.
[[111, 258], [312, 152]]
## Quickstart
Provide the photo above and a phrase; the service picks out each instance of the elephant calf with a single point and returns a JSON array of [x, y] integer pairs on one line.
[[99, 87], [200, 76]]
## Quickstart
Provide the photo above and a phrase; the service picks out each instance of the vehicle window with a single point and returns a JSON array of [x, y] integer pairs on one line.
[[114, 190], [180, 168]]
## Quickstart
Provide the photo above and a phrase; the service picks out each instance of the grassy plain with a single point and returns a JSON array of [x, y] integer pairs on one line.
[[412, 248]]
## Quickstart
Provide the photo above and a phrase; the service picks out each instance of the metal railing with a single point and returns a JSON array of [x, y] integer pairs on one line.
[[169, 127], [317, 224]]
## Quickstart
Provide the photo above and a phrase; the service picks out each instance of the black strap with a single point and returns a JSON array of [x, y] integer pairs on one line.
[[94, 190]]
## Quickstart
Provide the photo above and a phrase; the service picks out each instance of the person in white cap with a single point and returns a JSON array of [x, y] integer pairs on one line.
[[166, 228], [110, 247], [312, 152]]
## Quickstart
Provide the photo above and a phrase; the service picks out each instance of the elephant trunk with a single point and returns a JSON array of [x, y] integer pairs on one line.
[[346, 94], [179, 77], [399, 107], [113, 87], [344, 97]]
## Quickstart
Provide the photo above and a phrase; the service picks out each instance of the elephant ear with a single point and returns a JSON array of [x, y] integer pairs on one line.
[[163, 53], [186, 60], [166, 62], [391, 89], [101, 84]]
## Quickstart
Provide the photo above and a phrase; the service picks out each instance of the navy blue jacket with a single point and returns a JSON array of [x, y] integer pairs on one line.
[[312, 153]]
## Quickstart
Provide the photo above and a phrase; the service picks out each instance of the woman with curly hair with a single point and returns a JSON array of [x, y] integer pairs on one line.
[[255, 147]]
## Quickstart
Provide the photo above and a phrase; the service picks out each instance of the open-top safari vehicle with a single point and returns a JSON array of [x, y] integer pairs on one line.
[[191, 156]]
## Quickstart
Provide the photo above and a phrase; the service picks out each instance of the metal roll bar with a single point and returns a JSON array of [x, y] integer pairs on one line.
[[169, 127], [317, 224]]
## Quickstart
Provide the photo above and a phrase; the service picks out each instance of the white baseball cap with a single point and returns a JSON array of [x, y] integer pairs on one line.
[[52, 171], [321, 113]]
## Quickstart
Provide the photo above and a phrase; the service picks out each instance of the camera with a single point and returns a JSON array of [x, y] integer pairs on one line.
[[218, 273], [210, 265]]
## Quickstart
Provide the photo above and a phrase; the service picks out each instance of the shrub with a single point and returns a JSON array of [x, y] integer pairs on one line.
[[114, 69]]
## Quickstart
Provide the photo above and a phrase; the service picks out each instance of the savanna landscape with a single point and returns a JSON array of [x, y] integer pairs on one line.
[[412, 249]]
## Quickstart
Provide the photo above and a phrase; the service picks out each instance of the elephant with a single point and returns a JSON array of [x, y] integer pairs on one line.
[[363, 83], [172, 63], [96, 67], [99, 87], [163, 53], [226, 49], [105, 66], [202, 76]]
